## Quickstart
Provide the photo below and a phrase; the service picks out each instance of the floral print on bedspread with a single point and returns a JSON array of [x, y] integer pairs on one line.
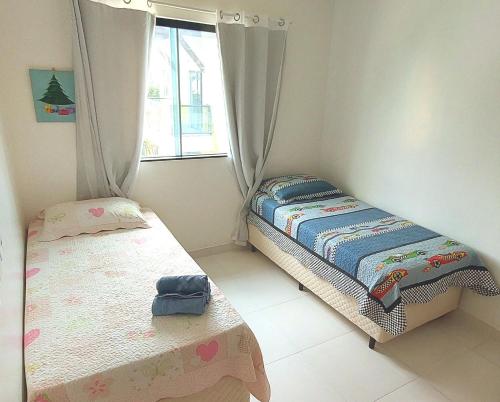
[[89, 331]]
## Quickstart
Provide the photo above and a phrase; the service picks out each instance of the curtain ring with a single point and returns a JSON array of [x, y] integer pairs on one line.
[[281, 22], [256, 19], [237, 16], [148, 3], [127, 2]]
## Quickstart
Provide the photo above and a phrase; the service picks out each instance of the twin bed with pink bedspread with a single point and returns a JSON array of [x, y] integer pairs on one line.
[[89, 333]]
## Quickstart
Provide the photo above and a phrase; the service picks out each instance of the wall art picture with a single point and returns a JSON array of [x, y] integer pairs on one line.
[[53, 95]]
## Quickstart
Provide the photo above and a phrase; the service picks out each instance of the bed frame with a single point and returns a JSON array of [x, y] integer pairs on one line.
[[228, 389], [416, 314]]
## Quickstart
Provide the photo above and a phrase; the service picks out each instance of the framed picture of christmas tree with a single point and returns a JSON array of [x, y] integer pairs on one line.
[[53, 95]]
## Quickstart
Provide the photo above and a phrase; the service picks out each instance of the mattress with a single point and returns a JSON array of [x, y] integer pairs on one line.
[[382, 260], [89, 333]]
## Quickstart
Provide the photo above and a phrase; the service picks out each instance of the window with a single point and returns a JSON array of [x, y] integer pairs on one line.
[[184, 111]]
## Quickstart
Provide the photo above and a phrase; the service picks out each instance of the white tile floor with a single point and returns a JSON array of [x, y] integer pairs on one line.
[[313, 354]]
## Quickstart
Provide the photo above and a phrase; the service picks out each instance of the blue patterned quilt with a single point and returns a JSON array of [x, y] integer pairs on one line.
[[380, 253]]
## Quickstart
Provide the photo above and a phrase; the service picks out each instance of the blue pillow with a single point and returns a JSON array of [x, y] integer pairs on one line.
[[298, 187]]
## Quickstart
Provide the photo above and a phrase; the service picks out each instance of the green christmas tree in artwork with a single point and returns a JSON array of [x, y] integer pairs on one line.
[[54, 95]]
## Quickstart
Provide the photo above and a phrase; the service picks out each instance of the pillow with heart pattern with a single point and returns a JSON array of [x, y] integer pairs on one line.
[[90, 216]]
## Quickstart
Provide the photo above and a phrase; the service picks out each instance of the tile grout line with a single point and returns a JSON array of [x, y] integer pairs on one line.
[[395, 389], [309, 347], [412, 381], [273, 305]]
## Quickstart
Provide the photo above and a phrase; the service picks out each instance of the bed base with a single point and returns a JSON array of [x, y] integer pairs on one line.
[[416, 314], [228, 389], [371, 341]]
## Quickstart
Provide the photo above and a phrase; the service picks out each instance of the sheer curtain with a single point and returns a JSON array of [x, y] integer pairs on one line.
[[110, 52], [252, 52]]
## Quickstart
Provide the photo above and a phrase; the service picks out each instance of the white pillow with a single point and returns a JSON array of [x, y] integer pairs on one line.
[[90, 216]]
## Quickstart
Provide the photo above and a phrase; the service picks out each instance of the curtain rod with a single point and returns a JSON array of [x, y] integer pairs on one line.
[[236, 16], [161, 3]]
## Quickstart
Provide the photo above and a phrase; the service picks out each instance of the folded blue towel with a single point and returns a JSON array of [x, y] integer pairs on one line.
[[169, 304], [185, 284], [187, 294]]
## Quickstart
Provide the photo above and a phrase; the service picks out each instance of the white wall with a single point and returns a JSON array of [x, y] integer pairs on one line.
[[412, 123], [11, 282], [197, 199], [38, 34]]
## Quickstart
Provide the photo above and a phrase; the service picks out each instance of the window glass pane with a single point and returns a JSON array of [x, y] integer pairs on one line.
[[159, 136], [185, 112]]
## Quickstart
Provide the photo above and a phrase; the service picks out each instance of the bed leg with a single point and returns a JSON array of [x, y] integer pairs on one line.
[[301, 287], [252, 247], [371, 343]]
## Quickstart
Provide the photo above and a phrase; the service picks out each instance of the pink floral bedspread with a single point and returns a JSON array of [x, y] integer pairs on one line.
[[90, 335]]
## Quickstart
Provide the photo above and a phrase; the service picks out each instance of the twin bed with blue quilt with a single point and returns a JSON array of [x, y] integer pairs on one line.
[[383, 261]]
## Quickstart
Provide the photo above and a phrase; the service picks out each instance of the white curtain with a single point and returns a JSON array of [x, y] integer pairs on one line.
[[110, 53], [252, 53]]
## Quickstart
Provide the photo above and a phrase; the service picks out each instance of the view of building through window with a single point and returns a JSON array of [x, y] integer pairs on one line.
[[184, 113]]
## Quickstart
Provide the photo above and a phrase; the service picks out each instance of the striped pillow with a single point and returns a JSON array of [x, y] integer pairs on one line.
[[298, 187]]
